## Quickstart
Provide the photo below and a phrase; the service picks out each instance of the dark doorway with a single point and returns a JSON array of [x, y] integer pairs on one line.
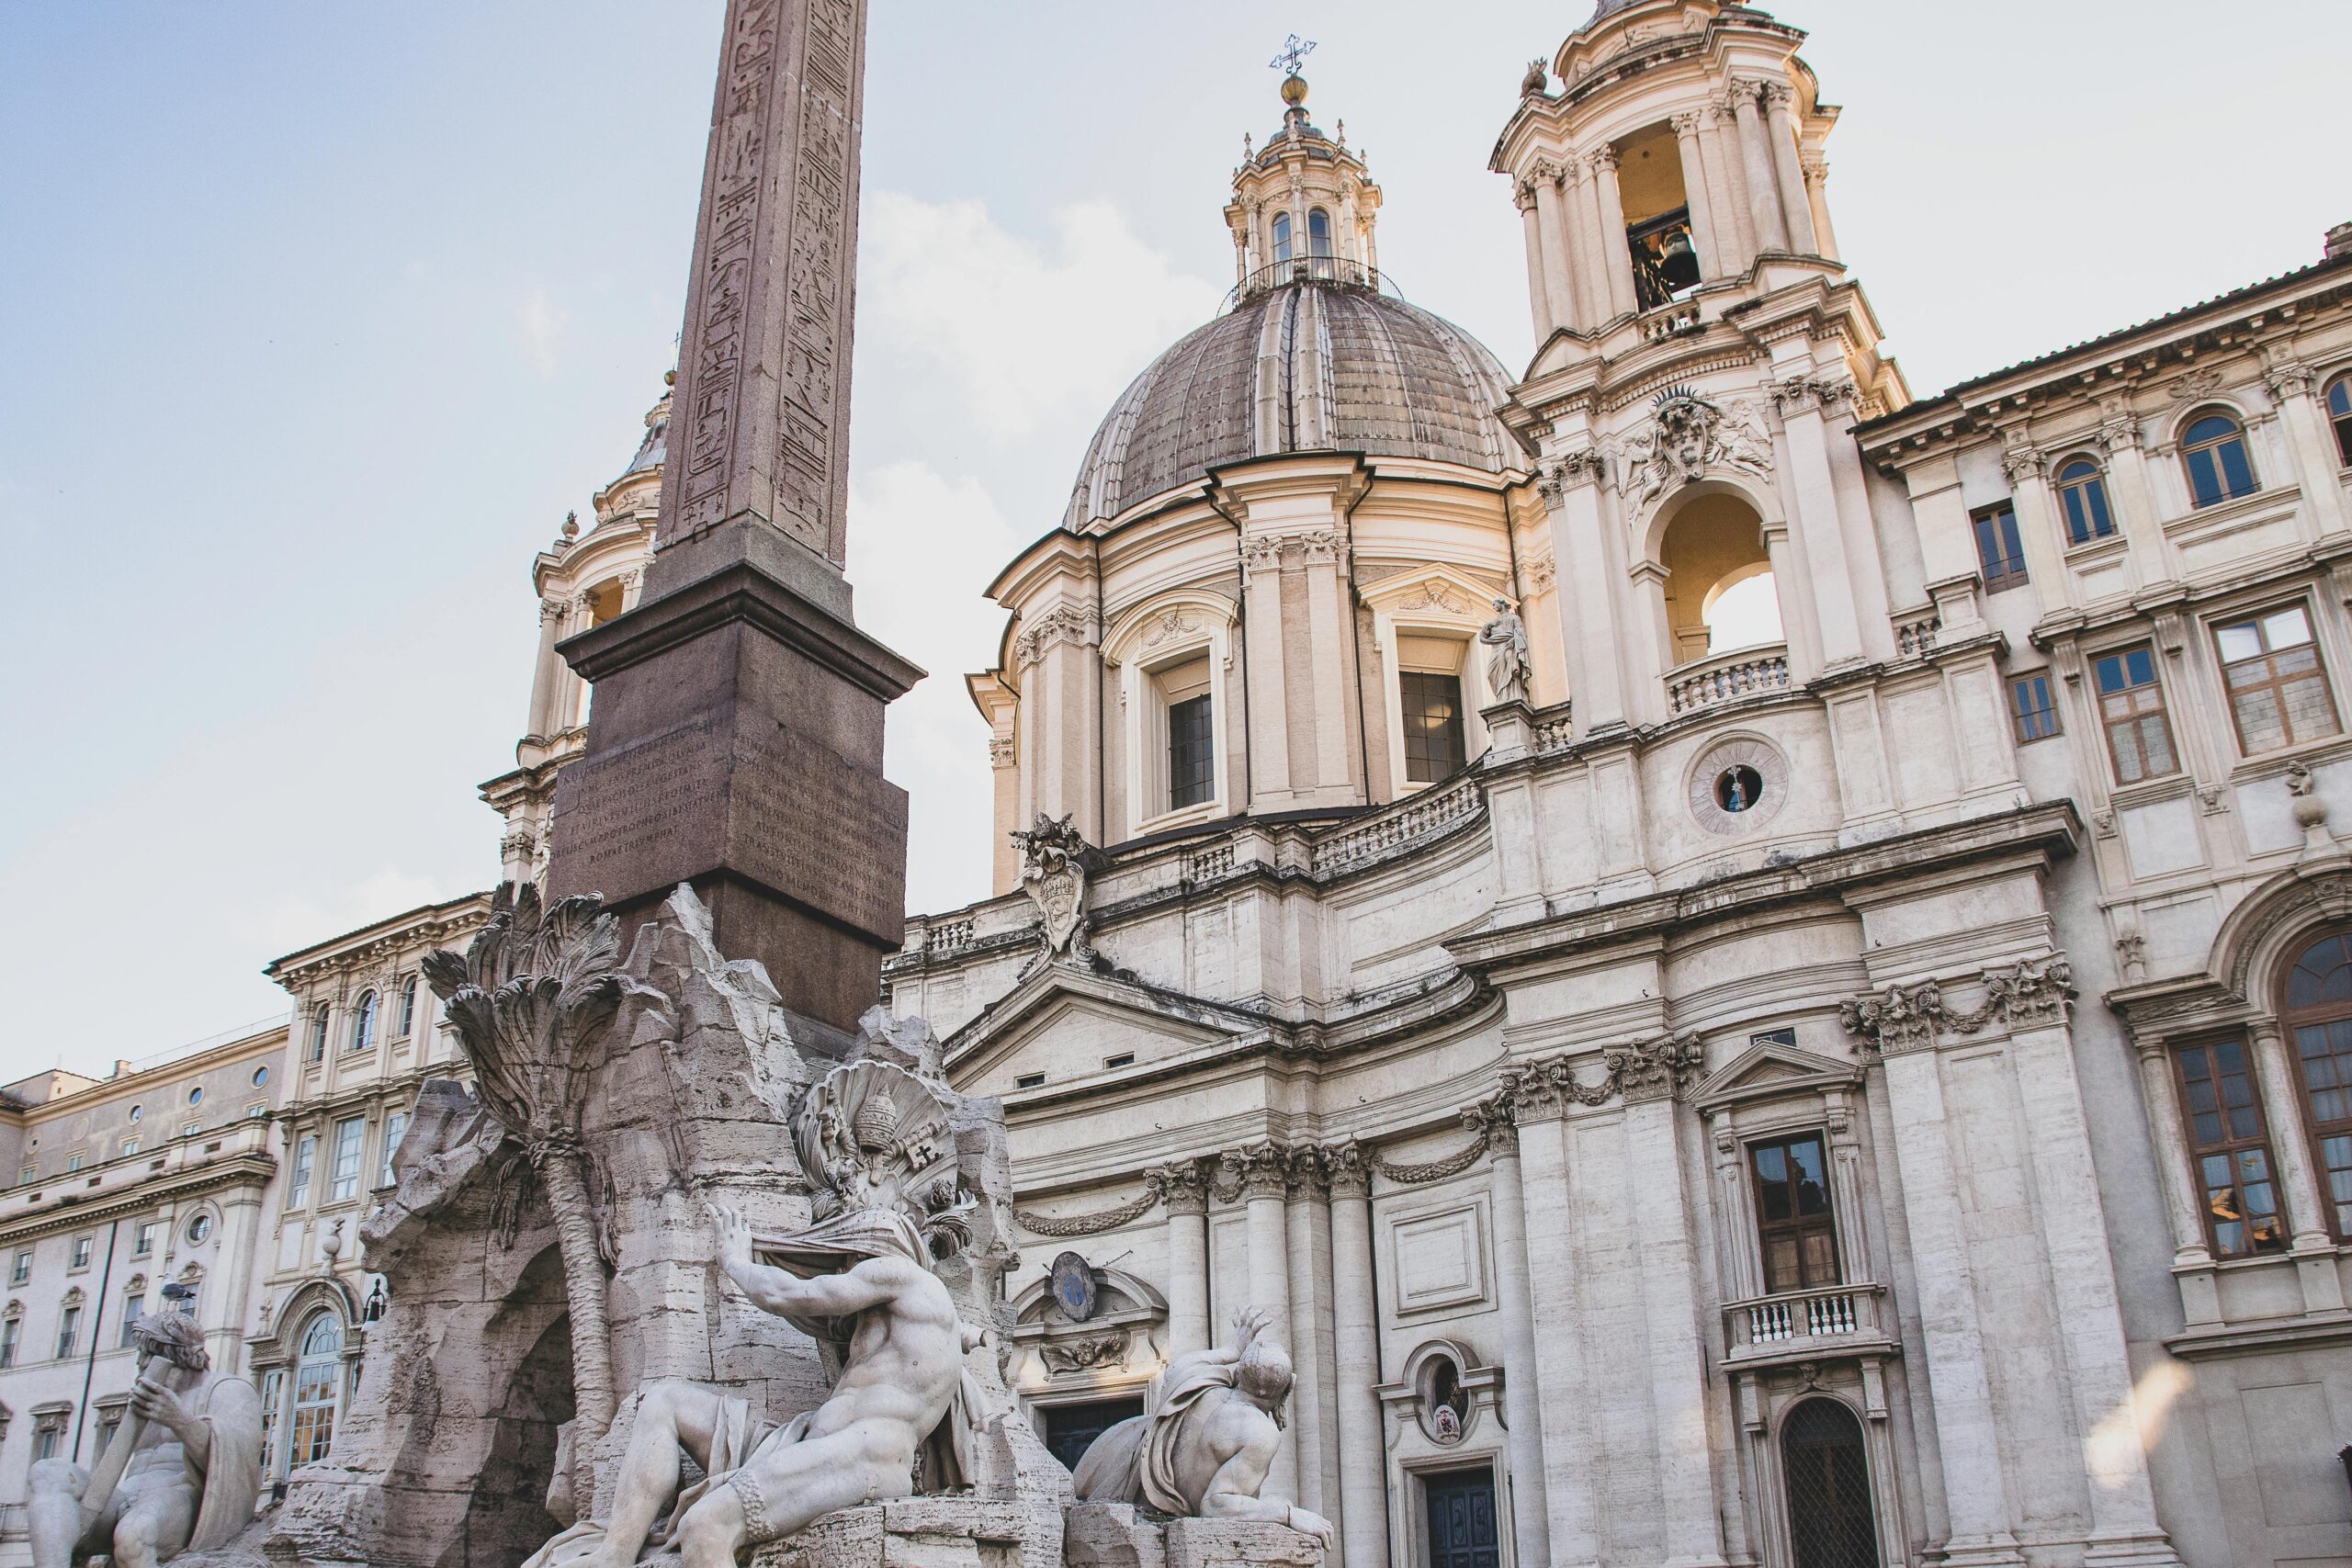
[[1830, 1525], [1070, 1429], [1463, 1530]]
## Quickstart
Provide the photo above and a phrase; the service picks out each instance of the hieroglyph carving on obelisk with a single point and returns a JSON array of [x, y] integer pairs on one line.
[[763, 366]]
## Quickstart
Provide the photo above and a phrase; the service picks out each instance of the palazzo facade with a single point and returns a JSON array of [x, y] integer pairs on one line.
[[1843, 1059]]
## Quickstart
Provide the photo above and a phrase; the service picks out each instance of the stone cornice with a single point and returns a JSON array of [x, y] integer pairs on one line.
[[252, 1167]]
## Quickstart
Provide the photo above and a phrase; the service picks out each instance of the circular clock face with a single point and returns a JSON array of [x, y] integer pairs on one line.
[[1074, 1287]]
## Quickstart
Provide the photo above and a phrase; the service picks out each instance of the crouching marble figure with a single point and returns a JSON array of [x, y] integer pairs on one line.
[[181, 1474], [1203, 1451]]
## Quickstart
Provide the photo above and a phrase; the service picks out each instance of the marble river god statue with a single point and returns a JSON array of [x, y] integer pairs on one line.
[[181, 1474], [1204, 1449], [860, 1280]]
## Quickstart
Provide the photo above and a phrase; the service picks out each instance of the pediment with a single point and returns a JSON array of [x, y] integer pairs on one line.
[[1769, 1068], [1065, 1021]]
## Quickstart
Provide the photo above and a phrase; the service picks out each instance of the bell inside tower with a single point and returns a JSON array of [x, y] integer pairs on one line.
[[1657, 218]]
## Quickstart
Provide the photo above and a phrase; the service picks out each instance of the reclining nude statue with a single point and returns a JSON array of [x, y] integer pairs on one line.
[[1202, 1452], [903, 1382], [181, 1474]]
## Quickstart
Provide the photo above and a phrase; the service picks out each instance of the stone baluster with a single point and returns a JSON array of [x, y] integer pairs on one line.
[[1364, 1478]]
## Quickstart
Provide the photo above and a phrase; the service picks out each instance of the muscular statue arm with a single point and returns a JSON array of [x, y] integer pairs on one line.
[[870, 1284]]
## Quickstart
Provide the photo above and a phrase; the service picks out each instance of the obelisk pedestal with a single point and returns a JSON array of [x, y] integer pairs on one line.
[[736, 738]]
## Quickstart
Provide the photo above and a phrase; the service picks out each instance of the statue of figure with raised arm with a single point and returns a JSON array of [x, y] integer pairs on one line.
[[1506, 637], [180, 1475], [903, 1413], [1203, 1451]]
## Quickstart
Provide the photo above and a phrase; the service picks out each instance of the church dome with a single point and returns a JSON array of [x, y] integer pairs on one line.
[[1312, 365]]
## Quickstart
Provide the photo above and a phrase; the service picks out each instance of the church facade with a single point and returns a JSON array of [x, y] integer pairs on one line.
[[1756, 964]]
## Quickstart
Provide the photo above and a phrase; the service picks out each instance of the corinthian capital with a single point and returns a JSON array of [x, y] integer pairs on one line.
[[2289, 378], [1349, 1172], [1776, 94], [1688, 123], [1663, 1068], [1568, 471], [1182, 1186], [1265, 1171], [1603, 157], [2024, 460]]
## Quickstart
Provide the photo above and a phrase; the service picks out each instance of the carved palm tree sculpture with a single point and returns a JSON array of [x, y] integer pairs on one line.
[[531, 999]]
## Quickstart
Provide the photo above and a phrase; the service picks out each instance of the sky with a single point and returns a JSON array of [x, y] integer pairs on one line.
[[315, 320]]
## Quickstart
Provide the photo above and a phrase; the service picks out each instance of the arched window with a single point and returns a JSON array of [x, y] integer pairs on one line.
[[2318, 1017], [318, 1381], [2081, 490], [408, 1008], [319, 1032], [1319, 233], [1830, 1525], [363, 1021], [2213, 450], [2339, 414], [1282, 236]]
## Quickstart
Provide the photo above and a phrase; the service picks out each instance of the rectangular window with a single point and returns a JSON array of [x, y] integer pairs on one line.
[[45, 1437], [395, 1129], [23, 1269], [1999, 550], [2227, 1145], [28, 1175], [10, 1332], [349, 1134], [1434, 746], [133, 1309], [306, 1155], [142, 1240], [2324, 1053], [2278, 691], [72, 1162], [1029, 1080], [108, 1420], [2132, 708], [69, 1329], [1799, 1241], [257, 1110], [1192, 752], [82, 1247], [2032, 709], [130, 1147]]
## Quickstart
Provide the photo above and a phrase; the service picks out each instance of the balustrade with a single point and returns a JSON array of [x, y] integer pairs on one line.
[[1745, 672]]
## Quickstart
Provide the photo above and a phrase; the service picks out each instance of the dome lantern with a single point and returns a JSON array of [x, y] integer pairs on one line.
[[1304, 204]]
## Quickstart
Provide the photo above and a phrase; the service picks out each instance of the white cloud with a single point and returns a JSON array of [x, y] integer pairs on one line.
[[1026, 332], [921, 547], [543, 324]]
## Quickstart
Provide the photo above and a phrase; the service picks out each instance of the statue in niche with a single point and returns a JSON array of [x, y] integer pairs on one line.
[[860, 1280], [180, 1475], [1506, 640], [1204, 1450], [1054, 863]]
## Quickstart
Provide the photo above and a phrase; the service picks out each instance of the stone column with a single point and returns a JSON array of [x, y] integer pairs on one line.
[[551, 676], [1355, 1312], [2183, 1204], [1677, 1362], [1539, 299], [1816, 196], [1728, 184], [1571, 488], [1328, 622], [1531, 1518], [2082, 1275], [1809, 490], [1968, 1439], [2038, 529], [1313, 1352], [1695, 193], [1787, 173], [1265, 1183], [1756, 157], [2307, 1208], [2291, 384], [1186, 1193], [1262, 565], [1616, 252], [1559, 285]]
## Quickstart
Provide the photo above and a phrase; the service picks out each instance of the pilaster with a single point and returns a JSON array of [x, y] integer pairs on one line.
[[1364, 1479]]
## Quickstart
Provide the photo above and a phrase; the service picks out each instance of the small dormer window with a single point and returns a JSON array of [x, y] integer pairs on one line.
[[1282, 237], [1318, 235]]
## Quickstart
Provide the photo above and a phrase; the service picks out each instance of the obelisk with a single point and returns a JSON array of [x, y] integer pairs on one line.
[[735, 739]]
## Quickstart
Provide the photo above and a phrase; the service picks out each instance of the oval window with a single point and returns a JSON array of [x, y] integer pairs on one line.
[[1739, 788], [261, 1076], [196, 1095], [137, 1112], [199, 1228]]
